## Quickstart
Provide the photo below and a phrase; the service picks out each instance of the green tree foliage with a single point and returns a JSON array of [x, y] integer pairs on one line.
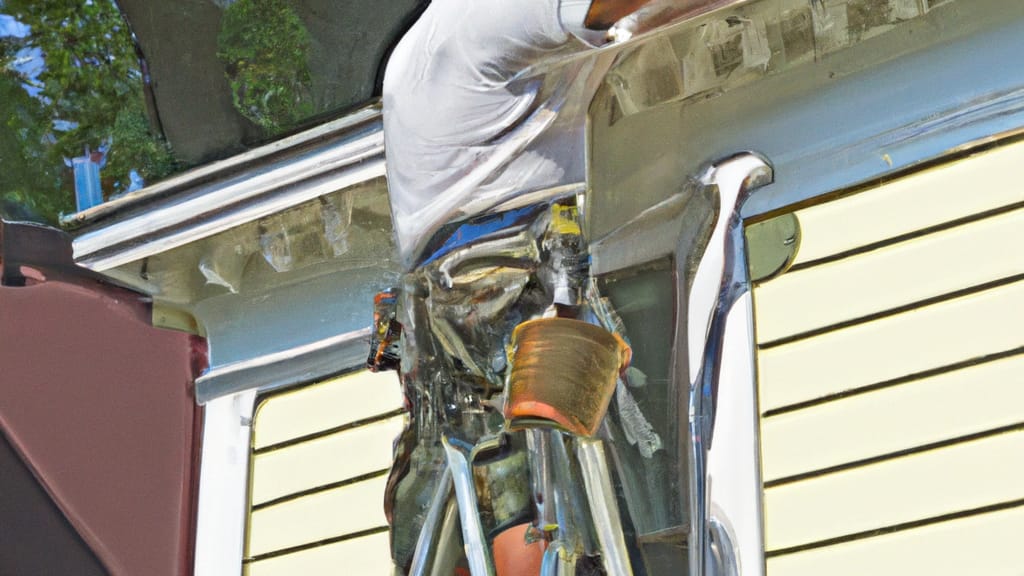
[[29, 182], [90, 92], [135, 148], [265, 50]]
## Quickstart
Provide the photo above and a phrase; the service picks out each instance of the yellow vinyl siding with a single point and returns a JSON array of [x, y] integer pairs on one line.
[[319, 464], [896, 491], [325, 405], [932, 197], [367, 555], [915, 341], [891, 277], [950, 405], [890, 363], [321, 516], [981, 544]]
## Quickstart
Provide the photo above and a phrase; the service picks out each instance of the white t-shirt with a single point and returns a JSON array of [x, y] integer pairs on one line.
[[463, 133]]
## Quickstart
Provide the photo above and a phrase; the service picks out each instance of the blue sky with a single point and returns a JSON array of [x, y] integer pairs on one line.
[[30, 60], [11, 27]]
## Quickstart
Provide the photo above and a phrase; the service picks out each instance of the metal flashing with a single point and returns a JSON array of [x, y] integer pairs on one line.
[[285, 368], [719, 366]]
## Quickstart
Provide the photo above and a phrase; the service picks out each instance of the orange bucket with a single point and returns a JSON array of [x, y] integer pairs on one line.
[[563, 374]]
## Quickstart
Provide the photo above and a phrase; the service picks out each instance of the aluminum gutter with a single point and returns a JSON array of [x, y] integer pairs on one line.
[[226, 194]]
